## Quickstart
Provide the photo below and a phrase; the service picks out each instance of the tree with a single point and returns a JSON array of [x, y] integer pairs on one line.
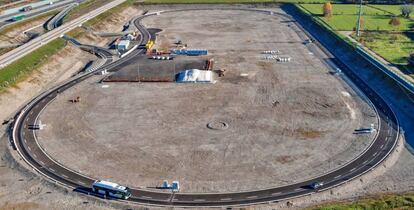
[[395, 22], [327, 9], [406, 10]]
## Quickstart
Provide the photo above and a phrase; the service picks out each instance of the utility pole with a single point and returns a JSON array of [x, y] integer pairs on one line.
[[359, 19]]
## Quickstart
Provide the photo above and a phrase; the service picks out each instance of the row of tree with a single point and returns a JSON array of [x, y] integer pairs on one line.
[[379, 1]]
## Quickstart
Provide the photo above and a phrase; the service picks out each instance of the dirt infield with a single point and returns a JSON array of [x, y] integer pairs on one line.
[[285, 122]]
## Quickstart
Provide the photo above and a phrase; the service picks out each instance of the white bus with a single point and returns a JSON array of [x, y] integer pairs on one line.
[[111, 189]]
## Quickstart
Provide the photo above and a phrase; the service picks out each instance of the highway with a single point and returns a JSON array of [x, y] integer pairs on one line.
[[25, 142], [37, 42], [5, 19]]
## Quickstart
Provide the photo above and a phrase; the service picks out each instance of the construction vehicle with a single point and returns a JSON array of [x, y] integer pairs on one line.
[[221, 72], [149, 44], [76, 100]]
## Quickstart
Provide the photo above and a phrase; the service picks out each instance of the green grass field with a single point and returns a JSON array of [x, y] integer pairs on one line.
[[400, 202], [19, 69], [393, 9], [345, 17], [395, 48]]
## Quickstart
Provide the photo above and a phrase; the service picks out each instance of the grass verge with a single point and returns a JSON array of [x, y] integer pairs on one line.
[[21, 68], [403, 201]]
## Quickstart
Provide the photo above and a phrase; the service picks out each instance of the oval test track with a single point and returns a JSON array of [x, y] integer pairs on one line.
[[27, 146]]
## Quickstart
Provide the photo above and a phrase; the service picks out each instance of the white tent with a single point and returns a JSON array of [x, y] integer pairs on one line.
[[194, 75]]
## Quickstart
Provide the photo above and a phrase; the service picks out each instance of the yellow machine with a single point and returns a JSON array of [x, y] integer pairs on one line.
[[149, 44]]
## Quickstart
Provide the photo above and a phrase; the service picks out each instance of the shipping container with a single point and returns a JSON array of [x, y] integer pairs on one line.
[[190, 52]]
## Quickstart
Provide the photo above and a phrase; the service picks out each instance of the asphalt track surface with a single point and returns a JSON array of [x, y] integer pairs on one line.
[[24, 140]]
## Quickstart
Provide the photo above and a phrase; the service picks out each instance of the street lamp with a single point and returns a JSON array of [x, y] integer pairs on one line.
[[359, 19]]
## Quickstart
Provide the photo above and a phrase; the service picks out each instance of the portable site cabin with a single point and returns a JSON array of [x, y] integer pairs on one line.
[[123, 45]]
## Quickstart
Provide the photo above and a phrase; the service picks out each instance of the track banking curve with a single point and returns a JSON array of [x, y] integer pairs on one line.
[[27, 146]]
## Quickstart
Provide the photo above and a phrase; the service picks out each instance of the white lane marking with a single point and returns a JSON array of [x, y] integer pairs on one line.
[[375, 154], [338, 176], [34, 155], [277, 193], [225, 199], [175, 199], [146, 197], [365, 162], [29, 148], [82, 183], [297, 189], [52, 169], [25, 141], [41, 162], [199, 199], [250, 197], [381, 146], [353, 169], [65, 176]]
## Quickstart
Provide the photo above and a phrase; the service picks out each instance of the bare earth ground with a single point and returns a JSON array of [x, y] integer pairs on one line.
[[21, 188], [32, 193], [114, 24], [16, 34], [141, 134]]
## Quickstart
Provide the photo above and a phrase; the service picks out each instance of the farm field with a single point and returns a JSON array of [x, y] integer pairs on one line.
[[394, 47], [391, 43], [375, 17]]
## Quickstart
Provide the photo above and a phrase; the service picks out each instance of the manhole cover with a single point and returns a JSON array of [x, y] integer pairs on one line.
[[217, 125]]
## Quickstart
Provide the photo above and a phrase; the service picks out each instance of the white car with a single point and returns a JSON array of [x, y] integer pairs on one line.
[[316, 185]]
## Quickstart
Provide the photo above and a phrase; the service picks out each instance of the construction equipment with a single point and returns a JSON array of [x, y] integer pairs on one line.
[[221, 72], [283, 59], [272, 52], [209, 64], [149, 44], [76, 100]]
